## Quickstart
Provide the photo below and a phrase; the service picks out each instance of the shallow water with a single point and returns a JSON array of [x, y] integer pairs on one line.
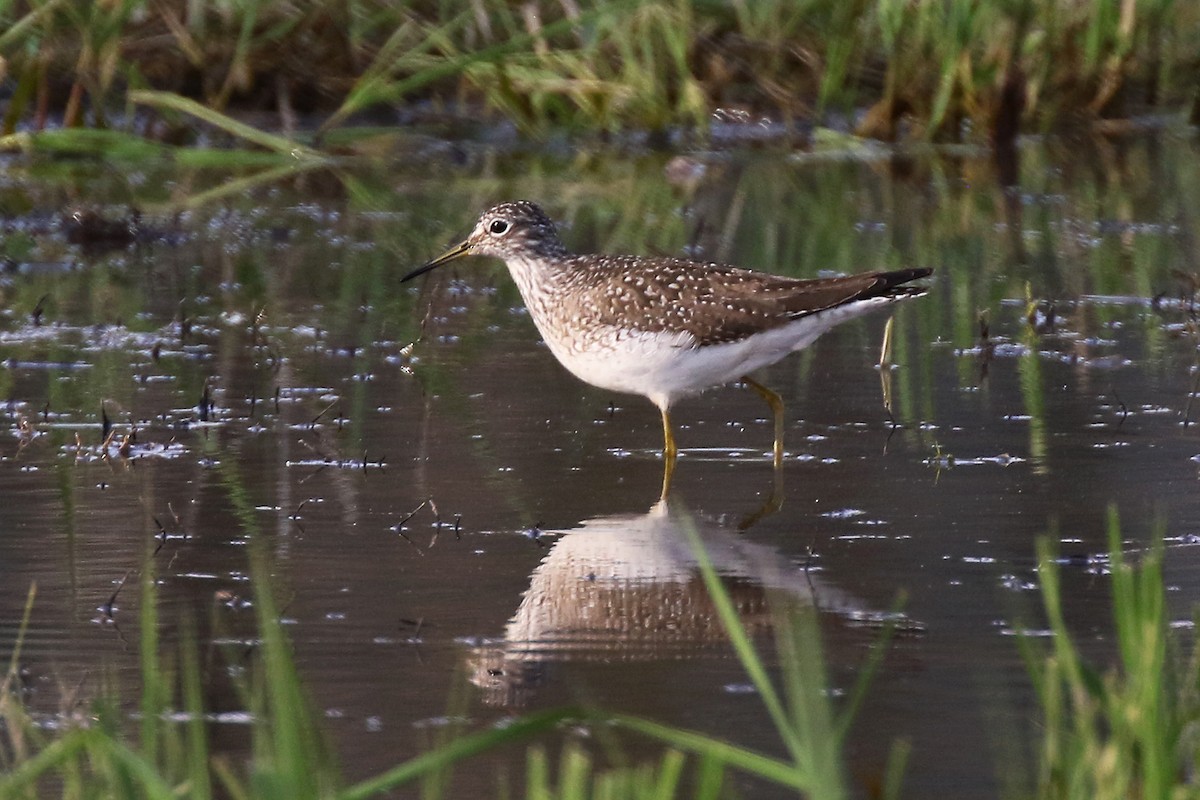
[[258, 343]]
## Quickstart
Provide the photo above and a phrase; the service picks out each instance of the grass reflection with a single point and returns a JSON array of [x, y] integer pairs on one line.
[[1029, 368]]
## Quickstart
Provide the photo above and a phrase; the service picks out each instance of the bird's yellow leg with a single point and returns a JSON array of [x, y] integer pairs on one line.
[[668, 471], [776, 404], [669, 454], [669, 450]]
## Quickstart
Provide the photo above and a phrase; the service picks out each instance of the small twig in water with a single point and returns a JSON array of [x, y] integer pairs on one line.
[[38, 310], [411, 514], [162, 535], [324, 411], [314, 473], [108, 607], [295, 515], [205, 403], [1120, 404], [399, 526], [1187, 411], [404, 536]]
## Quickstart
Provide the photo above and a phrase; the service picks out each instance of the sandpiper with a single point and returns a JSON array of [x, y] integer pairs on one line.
[[666, 328]]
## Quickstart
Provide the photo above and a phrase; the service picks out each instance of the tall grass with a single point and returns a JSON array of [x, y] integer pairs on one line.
[[98, 755], [926, 67], [1128, 731]]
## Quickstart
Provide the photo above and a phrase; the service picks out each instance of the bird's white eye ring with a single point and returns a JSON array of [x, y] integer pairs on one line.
[[498, 226]]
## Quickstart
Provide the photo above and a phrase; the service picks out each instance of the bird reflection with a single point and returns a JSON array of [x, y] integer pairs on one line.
[[628, 588]]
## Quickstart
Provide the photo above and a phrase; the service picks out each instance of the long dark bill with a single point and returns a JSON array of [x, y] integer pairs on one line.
[[458, 251]]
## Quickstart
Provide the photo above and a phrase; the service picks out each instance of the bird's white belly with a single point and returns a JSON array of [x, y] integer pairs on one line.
[[652, 364], [668, 366]]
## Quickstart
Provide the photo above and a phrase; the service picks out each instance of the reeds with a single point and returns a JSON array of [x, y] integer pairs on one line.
[[932, 68]]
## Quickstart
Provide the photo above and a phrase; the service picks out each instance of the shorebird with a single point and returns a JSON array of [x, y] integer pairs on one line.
[[666, 328]]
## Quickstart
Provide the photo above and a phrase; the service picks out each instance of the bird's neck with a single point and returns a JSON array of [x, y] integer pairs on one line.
[[539, 280]]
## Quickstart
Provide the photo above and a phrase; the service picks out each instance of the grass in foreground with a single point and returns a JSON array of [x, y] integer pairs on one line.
[[166, 754], [1127, 732]]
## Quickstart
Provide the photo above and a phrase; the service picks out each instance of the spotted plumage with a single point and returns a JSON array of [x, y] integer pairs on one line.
[[666, 328]]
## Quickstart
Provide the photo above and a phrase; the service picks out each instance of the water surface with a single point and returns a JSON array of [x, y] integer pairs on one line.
[[257, 345]]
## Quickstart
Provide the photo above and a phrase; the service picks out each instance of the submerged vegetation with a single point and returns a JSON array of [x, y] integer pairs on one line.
[[929, 68]]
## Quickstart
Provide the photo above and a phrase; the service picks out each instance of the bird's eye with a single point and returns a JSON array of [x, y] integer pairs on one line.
[[498, 226]]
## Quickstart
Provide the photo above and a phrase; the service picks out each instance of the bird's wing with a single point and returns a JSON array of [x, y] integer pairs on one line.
[[716, 303]]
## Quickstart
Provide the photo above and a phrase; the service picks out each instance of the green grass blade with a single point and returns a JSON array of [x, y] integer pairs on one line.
[[230, 783], [537, 774], [141, 770], [458, 750], [868, 671], [197, 729], [52, 758], [153, 701], [14, 658], [742, 646], [105, 144], [234, 187], [20, 28], [772, 769], [806, 680], [893, 772], [710, 777], [377, 90], [670, 772], [173, 102], [574, 771]]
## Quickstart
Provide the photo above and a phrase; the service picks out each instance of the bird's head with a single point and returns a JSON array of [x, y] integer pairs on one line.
[[508, 231]]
